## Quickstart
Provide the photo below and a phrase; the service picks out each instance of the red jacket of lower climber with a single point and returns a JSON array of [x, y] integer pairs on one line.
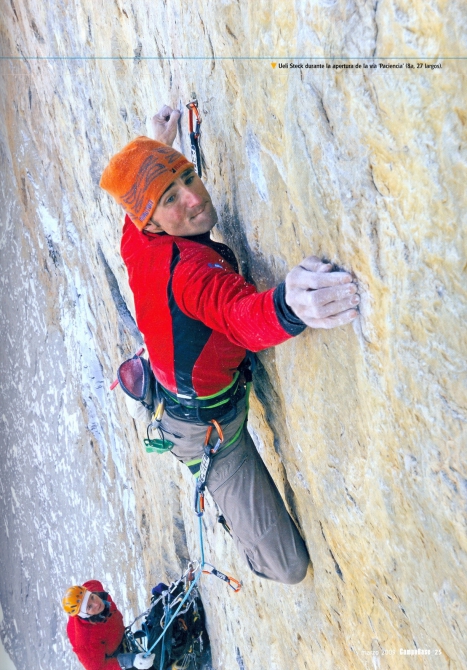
[[94, 642]]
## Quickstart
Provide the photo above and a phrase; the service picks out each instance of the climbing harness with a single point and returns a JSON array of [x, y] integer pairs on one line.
[[195, 134], [208, 453], [203, 409]]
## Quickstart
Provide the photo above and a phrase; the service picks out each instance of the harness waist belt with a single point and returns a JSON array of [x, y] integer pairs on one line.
[[205, 408]]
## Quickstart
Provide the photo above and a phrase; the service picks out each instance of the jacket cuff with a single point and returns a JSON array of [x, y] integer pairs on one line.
[[286, 316]]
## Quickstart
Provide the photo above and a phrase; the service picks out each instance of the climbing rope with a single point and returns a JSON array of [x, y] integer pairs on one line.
[[203, 568], [166, 613], [208, 454]]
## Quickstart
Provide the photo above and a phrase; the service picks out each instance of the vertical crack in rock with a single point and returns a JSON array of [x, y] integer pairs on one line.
[[318, 97], [373, 237], [202, 23], [336, 564], [213, 63], [137, 52], [53, 251], [14, 9], [377, 30], [119, 302], [234, 234], [374, 182], [239, 659], [231, 33], [36, 32]]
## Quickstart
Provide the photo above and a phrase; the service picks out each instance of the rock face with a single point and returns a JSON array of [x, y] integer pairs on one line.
[[363, 428]]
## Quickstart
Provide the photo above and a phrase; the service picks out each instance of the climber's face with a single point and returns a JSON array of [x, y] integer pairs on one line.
[[185, 208], [95, 605]]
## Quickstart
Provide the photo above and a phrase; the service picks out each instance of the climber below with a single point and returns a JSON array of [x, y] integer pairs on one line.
[[96, 631], [200, 318]]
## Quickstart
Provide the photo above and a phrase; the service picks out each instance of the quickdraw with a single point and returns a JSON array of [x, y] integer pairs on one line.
[[195, 134], [234, 584], [161, 445], [208, 453]]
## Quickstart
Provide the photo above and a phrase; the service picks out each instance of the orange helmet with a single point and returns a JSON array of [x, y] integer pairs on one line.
[[73, 598]]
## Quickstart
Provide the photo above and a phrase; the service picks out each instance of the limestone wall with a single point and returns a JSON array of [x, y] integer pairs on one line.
[[363, 427]]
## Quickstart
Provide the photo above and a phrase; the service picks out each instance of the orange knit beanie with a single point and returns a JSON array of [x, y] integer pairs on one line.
[[139, 174]]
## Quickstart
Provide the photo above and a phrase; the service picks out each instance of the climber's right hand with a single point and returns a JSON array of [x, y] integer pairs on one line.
[[164, 124], [319, 297]]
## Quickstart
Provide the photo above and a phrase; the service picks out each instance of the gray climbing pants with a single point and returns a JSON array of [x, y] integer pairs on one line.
[[241, 486]]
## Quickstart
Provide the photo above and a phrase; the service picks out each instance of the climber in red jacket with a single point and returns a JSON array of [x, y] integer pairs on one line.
[[199, 317], [95, 629]]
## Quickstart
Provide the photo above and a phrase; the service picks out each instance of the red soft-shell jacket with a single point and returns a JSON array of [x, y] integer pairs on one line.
[[93, 642], [198, 316]]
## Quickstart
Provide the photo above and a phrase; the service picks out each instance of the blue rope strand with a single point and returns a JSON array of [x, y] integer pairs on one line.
[[161, 636], [161, 667], [175, 613], [200, 519]]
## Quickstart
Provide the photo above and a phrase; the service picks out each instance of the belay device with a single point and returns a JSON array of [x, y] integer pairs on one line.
[[195, 134]]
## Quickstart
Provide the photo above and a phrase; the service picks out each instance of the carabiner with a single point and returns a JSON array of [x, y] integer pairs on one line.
[[157, 416], [207, 437], [234, 584], [193, 109], [199, 501], [220, 438], [195, 134]]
